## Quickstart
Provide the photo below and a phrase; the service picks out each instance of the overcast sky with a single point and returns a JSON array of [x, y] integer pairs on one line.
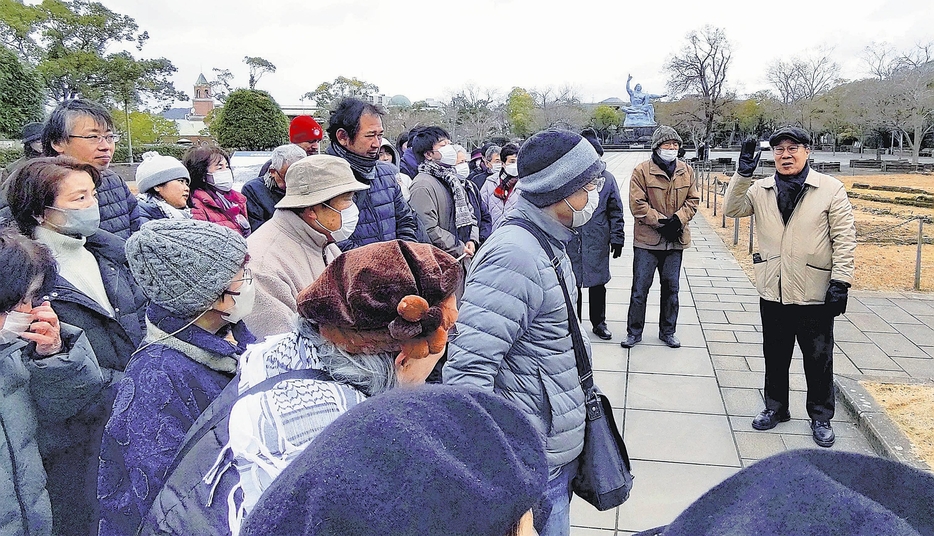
[[431, 49]]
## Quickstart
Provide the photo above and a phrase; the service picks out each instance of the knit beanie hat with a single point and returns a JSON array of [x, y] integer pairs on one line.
[[664, 133], [184, 265], [156, 170], [590, 135], [814, 491], [554, 164], [392, 296], [305, 128], [436, 459]]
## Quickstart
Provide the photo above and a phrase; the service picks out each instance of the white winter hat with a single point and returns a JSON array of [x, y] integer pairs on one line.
[[157, 169]]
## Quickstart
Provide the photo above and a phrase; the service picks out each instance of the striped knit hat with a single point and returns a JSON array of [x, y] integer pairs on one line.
[[554, 164]]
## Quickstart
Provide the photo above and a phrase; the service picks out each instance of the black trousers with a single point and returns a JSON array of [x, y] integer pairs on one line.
[[597, 302], [812, 327], [645, 262]]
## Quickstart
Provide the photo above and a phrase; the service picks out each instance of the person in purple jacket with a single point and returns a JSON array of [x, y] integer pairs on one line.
[[195, 275]]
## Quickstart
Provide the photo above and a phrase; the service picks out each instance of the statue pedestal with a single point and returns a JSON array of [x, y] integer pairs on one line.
[[635, 135]]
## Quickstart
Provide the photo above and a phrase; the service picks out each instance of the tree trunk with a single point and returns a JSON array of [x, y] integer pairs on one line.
[[129, 137]]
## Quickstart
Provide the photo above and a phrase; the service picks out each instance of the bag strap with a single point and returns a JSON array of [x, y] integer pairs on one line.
[[200, 429], [584, 370]]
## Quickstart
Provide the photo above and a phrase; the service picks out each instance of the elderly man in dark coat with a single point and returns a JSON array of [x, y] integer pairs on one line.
[[589, 251]]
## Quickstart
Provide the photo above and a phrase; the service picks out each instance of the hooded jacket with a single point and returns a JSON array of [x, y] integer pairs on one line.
[[816, 245], [513, 332]]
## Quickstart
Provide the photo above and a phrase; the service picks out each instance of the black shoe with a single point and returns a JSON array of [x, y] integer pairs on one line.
[[601, 331], [670, 340], [631, 340], [822, 433], [769, 418]]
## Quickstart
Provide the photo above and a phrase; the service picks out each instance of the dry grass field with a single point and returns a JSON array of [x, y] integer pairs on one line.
[[912, 409]]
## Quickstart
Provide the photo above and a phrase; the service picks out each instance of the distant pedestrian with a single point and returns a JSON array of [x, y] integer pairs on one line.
[[32, 147], [590, 250], [804, 267], [663, 199], [499, 186], [305, 132]]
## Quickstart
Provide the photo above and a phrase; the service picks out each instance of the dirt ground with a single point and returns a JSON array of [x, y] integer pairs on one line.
[[912, 409], [886, 255]]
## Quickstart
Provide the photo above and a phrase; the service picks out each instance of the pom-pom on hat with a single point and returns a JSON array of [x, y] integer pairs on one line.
[[185, 265], [553, 164], [795, 134], [393, 296], [436, 459], [156, 170], [665, 133], [305, 128]]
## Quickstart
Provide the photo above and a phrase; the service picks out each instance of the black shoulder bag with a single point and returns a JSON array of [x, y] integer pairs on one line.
[[604, 475]]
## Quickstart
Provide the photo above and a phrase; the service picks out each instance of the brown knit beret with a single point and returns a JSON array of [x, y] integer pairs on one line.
[[386, 296]]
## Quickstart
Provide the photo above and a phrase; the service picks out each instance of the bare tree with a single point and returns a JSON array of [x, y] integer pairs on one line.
[[558, 106], [258, 67], [701, 68], [804, 78], [907, 103], [881, 60]]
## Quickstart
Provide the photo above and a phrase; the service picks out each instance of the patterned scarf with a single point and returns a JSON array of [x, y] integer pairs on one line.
[[167, 209], [463, 213], [363, 165], [506, 184]]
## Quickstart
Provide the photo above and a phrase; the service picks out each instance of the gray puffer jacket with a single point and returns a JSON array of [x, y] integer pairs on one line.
[[36, 394], [513, 332]]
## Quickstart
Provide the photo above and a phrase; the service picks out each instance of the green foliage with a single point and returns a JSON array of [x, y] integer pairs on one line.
[[250, 120], [258, 67], [121, 154], [67, 41], [328, 93], [9, 155], [519, 112], [20, 94], [145, 127]]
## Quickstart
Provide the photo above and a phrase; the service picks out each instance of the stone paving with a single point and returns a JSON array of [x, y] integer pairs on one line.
[[686, 412]]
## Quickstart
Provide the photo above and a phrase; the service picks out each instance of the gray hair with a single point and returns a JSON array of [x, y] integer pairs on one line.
[[371, 374], [286, 155], [491, 150]]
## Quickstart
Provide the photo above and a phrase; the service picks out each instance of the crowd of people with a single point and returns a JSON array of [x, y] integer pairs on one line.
[[194, 359]]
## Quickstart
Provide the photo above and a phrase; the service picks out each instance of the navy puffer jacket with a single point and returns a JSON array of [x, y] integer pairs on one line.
[[384, 213], [119, 210]]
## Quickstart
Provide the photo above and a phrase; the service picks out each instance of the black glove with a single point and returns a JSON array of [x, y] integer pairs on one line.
[[749, 157], [617, 250], [836, 297], [671, 228]]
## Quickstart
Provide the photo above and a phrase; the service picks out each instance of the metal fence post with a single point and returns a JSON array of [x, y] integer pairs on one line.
[[715, 197], [918, 257], [735, 230]]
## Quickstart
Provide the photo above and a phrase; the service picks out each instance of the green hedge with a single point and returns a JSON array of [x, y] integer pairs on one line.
[[165, 149], [9, 155]]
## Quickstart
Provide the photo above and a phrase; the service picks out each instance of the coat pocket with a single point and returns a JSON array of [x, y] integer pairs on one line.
[[768, 273], [816, 281]]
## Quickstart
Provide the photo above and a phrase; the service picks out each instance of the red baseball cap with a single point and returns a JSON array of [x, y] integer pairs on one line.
[[305, 128]]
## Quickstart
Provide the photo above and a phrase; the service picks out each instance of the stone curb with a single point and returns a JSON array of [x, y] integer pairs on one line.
[[881, 432]]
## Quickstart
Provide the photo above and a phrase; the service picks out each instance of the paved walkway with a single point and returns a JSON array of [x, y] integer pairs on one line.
[[686, 412]]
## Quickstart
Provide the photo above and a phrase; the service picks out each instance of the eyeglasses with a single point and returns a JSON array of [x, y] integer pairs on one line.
[[247, 278], [791, 149], [596, 184], [109, 138]]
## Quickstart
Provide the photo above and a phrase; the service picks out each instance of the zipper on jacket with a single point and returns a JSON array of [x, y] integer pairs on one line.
[[15, 476]]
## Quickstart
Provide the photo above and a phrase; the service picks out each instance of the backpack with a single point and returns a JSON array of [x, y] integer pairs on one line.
[[194, 498]]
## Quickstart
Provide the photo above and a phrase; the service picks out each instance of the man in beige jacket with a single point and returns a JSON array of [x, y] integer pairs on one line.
[[804, 266], [292, 249]]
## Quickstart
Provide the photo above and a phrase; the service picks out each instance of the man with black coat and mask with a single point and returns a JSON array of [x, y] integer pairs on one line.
[[807, 236], [663, 199]]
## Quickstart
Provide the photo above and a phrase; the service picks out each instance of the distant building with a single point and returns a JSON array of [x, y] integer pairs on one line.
[[190, 121]]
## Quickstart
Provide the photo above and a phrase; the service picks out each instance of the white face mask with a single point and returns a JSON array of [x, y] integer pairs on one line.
[[243, 300], [16, 324], [496, 168], [448, 155], [668, 154], [582, 216], [222, 179], [462, 169], [512, 169], [349, 218]]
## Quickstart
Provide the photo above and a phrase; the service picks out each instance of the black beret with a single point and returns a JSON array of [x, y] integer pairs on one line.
[[795, 134]]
